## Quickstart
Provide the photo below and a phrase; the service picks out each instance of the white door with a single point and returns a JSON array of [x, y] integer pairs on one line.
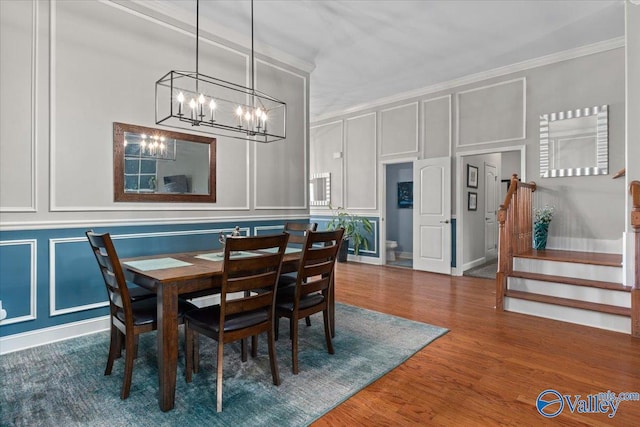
[[432, 215], [491, 199]]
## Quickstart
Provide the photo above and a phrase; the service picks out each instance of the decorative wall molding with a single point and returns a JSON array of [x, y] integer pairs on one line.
[[53, 207], [305, 146], [417, 134], [346, 162], [424, 126], [553, 58], [522, 134], [33, 281], [53, 311], [256, 230], [33, 114], [44, 225]]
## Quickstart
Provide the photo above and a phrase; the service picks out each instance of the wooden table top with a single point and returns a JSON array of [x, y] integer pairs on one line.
[[199, 268]]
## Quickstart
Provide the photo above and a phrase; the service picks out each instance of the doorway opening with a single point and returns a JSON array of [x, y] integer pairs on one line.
[[399, 214], [478, 202]]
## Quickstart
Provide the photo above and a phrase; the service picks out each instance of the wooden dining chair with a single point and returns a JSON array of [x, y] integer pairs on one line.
[[297, 232], [128, 317], [250, 274], [311, 292]]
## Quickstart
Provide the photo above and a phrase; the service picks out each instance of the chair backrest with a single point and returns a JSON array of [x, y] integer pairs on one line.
[[111, 270], [251, 267], [298, 231], [315, 272]]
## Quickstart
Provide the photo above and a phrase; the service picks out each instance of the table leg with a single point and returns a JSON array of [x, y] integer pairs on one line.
[[167, 344]]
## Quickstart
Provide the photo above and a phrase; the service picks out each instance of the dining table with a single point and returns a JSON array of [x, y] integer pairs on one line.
[[186, 274]]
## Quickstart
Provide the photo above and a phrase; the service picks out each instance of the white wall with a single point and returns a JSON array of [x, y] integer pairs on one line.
[[71, 69], [499, 110]]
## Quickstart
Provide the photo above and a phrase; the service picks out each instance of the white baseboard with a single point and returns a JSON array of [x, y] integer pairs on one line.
[[53, 334], [364, 259], [473, 263]]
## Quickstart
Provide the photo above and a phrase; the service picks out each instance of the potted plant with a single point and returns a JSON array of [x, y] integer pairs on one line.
[[355, 229], [542, 218]]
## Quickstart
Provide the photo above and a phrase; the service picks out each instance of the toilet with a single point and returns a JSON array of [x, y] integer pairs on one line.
[[391, 246]]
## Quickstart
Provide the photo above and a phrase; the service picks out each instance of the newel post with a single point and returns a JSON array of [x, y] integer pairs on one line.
[[635, 291], [503, 259]]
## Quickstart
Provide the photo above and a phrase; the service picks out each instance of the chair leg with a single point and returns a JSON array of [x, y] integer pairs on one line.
[[219, 378], [254, 346], [128, 364], [291, 323], [188, 352], [120, 343], [308, 320], [272, 357], [114, 349], [327, 331], [243, 349], [196, 352], [294, 346], [276, 327]]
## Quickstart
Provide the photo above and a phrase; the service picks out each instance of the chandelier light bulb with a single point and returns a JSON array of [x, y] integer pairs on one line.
[[180, 99], [212, 104], [201, 99]]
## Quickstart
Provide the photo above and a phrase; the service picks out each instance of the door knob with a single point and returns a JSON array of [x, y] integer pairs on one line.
[[446, 221]]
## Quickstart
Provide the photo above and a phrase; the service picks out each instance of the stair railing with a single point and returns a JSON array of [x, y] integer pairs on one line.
[[634, 189], [514, 232]]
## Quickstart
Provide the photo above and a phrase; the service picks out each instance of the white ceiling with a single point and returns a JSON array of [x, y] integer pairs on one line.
[[365, 50]]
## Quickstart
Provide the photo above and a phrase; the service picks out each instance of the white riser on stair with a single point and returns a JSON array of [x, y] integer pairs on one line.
[[580, 293], [578, 316], [569, 269]]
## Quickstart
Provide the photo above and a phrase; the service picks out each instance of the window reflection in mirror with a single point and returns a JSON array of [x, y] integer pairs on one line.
[[320, 189], [574, 143], [158, 165]]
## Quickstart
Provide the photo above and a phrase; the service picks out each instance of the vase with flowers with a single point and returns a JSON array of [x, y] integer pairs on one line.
[[541, 220]]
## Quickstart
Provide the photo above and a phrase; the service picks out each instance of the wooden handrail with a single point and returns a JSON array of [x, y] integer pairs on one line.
[[634, 190], [514, 231]]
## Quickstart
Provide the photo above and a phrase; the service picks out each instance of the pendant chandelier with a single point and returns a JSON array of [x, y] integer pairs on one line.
[[190, 100]]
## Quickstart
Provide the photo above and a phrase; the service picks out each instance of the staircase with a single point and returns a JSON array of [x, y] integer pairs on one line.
[[576, 287]]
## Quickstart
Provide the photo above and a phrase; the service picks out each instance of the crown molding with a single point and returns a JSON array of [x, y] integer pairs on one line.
[[166, 11], [553, 58]]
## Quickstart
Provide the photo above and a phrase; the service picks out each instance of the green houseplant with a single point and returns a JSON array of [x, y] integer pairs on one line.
[[356, 229]]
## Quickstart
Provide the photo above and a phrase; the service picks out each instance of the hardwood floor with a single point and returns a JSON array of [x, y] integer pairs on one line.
[[490, 367]]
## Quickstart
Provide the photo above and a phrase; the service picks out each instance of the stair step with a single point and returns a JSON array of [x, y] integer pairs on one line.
[[593, 258], [571, 281], [583, 305]]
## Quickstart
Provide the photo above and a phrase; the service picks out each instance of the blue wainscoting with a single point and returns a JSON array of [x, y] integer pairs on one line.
[[50, 277], [373, 239]]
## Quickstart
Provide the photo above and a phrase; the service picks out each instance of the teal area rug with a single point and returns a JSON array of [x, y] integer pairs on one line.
[[62, 384]]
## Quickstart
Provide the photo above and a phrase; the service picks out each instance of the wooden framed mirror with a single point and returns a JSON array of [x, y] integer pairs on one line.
[[156, 165]]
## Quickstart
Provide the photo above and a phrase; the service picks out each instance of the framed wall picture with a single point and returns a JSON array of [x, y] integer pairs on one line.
[[405, 195], [472, 176], [472, 201]]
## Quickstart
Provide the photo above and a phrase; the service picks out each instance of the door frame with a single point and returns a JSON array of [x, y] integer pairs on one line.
[[460, 187], [382, 193]]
